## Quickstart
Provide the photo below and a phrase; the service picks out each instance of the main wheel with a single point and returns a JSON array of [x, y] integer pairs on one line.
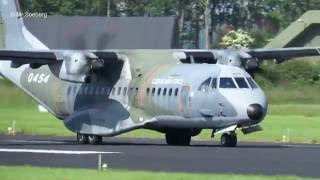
[[82, 138], [178, 138], [95, 139], [229, 140]]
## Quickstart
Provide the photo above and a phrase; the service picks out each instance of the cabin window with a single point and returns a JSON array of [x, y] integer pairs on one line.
[[113, 91], [85, 90], [214, 83], [252, 83], [103, 91], [125, 91], [153, 91], [159, 92], [74, 90], [98, 90], [241, 82], [170, 91], [227, 83], [176, 92], [119, 91], [92, 90], [148, 91], [137, 89], [205, 85], [164, 93], [69, 90], [80, 91]]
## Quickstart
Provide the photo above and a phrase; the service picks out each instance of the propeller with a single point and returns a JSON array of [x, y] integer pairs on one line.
[[77, 66]]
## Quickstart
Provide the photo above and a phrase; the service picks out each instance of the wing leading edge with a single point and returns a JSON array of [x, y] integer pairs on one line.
[[283, 53]]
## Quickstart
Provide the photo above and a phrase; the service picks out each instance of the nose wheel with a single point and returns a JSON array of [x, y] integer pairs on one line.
[[229, 139], [89, 139]]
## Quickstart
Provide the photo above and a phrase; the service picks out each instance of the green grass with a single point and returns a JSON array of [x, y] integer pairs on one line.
[[293, 95], [27, 172], [300, 122]]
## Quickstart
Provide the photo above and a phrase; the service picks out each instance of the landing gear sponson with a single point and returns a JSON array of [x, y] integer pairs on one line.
[[89, 139]]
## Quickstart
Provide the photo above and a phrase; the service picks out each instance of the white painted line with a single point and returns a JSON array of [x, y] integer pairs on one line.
[[43, 151], [303, 146], [46, 142]]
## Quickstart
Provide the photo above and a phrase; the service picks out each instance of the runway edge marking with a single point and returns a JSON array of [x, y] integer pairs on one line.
[[43, 151]]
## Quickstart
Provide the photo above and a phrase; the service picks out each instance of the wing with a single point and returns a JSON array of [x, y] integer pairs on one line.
[[73, 65], [283, 53], [28, 57], [53, 56]]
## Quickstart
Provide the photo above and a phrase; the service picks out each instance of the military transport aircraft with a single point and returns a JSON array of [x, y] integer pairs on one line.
[[100, 93]]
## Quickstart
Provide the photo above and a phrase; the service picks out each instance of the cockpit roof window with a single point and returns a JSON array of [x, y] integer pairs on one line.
[[252, 83], [242, 84], [205, 85], [227, 83]]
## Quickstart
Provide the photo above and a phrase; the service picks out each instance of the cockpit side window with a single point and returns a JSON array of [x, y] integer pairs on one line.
[[226, 83], [205, 85], [252, 83], [214, 83], [241, 82]]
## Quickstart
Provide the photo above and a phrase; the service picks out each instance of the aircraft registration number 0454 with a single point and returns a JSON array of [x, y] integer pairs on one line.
[[38, 78]]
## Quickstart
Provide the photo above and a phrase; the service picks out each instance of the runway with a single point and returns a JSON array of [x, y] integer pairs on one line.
[[155, 155]]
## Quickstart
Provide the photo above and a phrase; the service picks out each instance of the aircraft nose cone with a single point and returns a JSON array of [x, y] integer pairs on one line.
[[255, 112]]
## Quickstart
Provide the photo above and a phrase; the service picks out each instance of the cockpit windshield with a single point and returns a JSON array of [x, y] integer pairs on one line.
[[242, 84], [252, 83], [226, 83]]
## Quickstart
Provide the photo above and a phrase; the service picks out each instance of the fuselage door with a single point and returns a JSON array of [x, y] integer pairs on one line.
[[185, 101]]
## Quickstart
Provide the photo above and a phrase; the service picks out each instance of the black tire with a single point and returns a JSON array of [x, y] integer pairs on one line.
[[178, 138], [82, 138], [95, 139], [229, 140]]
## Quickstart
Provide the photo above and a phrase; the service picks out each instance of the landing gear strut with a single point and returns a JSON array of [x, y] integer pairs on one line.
[[95, 140], [89, 139], [178, 137], [82, 138], [229, 139]]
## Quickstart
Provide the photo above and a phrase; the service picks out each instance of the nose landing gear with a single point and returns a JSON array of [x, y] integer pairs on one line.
[[229, 139]]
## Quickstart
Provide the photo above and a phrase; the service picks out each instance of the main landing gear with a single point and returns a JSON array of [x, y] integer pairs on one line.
[[178, 137], [229, 139], [89, 139]]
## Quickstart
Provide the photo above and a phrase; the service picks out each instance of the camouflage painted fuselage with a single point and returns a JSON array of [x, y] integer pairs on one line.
[[141, 89], [149, 89]]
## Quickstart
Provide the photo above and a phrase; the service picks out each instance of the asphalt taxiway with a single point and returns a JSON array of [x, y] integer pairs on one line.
[[155, 155]]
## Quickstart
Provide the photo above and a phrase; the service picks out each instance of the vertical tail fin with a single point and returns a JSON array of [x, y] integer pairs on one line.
[[14, 35]]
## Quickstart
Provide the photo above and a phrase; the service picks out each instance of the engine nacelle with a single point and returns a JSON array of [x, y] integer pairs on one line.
[[76, 66]]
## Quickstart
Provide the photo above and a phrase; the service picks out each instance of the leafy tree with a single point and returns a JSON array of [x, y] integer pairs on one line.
[[237, 39]]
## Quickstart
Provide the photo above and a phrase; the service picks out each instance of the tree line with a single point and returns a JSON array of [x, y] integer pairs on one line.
[[261, 18]]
